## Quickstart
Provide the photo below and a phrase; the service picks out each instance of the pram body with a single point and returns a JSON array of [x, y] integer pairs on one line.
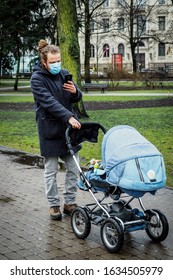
[[130, 165]]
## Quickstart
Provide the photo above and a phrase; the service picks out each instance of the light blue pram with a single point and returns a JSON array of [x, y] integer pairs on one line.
[[130, 165]]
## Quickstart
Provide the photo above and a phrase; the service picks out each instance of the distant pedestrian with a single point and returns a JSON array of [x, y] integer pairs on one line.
[[53, 106]]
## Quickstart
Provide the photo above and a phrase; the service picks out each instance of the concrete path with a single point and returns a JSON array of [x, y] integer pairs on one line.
[[27, 233]]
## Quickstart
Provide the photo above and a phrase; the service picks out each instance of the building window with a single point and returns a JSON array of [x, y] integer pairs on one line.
[[141, 24], [161, 2], [92, 26], [141, 44], [161, 49], [105, 50], [121, 49], [92, 51], [121, 24], [140, 4], [161, 23], [106, 3], [105, 24], [121, 3]]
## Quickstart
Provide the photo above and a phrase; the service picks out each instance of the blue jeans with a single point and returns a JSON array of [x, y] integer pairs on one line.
[[52, 185]]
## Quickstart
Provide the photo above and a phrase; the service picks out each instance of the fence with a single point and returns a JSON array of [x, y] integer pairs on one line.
[[166, 68]]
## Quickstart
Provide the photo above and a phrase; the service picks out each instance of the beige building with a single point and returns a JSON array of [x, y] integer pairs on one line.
[[110, 34]]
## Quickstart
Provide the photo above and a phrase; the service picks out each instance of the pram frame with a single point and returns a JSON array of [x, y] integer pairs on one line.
[[82, 175], [143, 221]]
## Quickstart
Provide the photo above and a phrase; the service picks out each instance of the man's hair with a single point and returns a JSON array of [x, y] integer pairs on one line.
[[44, 48]]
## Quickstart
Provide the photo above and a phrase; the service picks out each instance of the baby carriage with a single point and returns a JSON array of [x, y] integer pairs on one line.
[[131, 166]]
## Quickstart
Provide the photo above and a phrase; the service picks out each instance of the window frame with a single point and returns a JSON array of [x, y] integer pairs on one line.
[[92, 51], [106, 50], [161, 49], [161, 23], [121, 47]]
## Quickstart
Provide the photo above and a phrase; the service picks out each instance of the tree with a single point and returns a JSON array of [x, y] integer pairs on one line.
[[87, 13], [68, 42], [21, 26]]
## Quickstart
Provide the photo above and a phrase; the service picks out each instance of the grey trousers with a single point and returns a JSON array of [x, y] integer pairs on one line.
[[52, 186]]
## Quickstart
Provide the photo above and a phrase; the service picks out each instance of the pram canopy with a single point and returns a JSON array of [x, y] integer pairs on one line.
[[132, 162]]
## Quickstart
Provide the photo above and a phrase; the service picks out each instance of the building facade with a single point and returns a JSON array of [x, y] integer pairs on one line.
[[117, 25]]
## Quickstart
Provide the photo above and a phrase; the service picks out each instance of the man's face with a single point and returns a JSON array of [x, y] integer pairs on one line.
[[51, 58]]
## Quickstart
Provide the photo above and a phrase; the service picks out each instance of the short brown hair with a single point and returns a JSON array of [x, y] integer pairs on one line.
[[44, 48]]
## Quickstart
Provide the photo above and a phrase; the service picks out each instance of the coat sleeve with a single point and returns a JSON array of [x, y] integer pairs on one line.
[[76, 97], [47, 101]]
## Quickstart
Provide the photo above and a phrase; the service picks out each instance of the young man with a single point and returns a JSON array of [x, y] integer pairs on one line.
[[53, 106]]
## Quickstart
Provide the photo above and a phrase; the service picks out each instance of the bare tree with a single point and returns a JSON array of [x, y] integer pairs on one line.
[[88, 11]]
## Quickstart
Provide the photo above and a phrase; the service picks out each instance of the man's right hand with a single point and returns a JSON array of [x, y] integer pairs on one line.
[[74, 123]]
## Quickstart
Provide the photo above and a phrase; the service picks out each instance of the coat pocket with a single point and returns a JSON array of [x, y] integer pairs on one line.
[[52, 128]]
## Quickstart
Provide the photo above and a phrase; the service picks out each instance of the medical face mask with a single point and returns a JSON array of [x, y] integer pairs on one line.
[[55, 68]]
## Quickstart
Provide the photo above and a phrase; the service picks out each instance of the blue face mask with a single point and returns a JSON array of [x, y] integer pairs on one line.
[[55, 68]]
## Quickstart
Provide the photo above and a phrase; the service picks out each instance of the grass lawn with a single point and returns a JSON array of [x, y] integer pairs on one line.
[[86, 98], [18, 130]]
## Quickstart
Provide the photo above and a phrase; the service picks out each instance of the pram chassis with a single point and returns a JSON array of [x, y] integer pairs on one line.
[[112, 227]]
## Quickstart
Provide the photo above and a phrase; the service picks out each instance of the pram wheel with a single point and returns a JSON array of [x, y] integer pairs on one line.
[[80, 222], [157, 230], [112, 235]]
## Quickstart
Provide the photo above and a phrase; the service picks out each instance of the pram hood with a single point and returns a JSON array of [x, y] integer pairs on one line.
[[123, 144]]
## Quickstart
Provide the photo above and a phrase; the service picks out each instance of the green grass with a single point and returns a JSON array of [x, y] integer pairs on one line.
[[86, 98], [123, 83], [19, 131], [114, 98], [16, 99], [10, 82]]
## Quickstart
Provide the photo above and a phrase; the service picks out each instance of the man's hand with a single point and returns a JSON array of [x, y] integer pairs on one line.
[[70, 87], [74, 123]]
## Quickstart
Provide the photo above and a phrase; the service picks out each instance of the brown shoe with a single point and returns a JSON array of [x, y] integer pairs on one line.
[[68, 208], [55, 213]]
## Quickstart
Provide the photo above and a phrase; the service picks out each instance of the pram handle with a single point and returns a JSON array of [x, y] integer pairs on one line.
[[68, 140], [84, 125]]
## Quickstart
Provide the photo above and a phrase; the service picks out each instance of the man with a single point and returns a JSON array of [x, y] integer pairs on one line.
[[53, 106]]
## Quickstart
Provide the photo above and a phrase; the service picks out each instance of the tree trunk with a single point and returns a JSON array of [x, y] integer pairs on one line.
[[131, 39], [17, 71], [69, 45], [87, 43]]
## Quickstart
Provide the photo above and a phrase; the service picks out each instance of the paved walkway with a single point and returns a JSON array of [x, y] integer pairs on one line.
[[27, 233]]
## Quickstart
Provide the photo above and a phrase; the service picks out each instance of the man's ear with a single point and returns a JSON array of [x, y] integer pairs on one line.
[[44, 63]]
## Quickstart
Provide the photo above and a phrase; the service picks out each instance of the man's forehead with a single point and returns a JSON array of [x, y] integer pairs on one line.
[[53, 57]]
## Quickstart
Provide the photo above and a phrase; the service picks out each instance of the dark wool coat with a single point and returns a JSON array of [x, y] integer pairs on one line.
[[53, 107]]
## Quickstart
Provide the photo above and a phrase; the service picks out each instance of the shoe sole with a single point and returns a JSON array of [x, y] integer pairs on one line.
[[67, 212], [58, 217]]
